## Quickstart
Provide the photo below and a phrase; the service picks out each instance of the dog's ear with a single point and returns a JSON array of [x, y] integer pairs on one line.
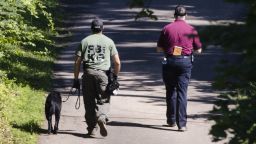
[[55, 92]]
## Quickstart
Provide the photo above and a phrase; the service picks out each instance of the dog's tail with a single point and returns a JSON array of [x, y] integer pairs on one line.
[[53, 107]]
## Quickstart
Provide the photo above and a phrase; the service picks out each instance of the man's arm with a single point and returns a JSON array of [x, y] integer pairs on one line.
[[77, 67], [197, 43], [117, 64]]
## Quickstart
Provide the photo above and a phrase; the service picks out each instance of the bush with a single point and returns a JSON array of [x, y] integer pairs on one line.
[[25, 45], [236, 109], [27, 53], [237, 116]]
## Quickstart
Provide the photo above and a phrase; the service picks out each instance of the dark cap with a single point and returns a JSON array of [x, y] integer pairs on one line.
[[97, 24], [180, 11]]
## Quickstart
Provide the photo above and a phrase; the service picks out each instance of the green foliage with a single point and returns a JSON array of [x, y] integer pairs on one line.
[[237, 108], [28, 67], [6, 136], [145, 12], [20, 113], [237, 116], [26, 115], [27, 53], [24, 22], [25, 44]]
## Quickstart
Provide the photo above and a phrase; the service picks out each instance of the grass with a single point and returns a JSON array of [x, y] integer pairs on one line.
[[28, 67], [25, 115], [25, 80], [25, 75]]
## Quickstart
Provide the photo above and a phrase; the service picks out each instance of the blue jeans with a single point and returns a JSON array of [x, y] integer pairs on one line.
[[176, 75]]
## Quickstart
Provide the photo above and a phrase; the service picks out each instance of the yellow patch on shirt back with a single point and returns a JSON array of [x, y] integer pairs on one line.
[[177, 51]]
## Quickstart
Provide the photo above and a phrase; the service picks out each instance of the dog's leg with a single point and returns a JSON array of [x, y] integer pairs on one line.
[[49, 125], [56, 126]]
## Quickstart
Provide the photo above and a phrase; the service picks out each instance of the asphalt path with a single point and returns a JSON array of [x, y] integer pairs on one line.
[[137, 113]]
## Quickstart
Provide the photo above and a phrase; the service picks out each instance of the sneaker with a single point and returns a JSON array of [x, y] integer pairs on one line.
[[182, 129], [103, 129]]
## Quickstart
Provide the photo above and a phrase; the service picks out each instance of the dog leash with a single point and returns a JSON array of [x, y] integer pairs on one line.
[[71, 92], [78, 100]]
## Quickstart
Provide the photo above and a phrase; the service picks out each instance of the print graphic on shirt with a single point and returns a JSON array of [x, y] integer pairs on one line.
[[95, 53]]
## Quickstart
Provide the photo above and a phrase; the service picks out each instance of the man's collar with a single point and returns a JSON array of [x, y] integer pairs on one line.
[[181, 20]]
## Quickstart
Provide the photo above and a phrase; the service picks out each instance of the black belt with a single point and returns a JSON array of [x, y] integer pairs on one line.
[[179, 56]]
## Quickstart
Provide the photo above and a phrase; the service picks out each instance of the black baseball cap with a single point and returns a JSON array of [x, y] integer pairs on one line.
[[97, 24], [180, 11]]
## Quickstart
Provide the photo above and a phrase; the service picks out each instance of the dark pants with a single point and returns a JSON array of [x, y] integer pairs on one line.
[[96, 101], [176, 75]]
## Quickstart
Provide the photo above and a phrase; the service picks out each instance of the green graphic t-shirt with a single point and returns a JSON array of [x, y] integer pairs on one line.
[[96, 51]]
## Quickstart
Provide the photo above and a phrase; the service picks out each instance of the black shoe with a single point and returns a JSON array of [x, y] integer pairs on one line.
[[171, 124], [183, 129], [103, 129]]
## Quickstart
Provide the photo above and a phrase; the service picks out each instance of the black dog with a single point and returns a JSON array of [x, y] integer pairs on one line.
[[53, 106]]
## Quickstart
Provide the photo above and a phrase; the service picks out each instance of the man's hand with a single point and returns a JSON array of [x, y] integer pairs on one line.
[[159, 49], [198, 51], [76, 84]]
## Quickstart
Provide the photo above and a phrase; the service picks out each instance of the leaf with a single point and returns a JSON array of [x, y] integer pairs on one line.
[[1, 55]]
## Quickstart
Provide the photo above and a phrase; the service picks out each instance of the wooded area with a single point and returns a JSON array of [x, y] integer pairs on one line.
[[236, 109]]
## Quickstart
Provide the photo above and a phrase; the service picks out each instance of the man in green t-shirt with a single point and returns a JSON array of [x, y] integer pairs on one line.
[[96, 52]]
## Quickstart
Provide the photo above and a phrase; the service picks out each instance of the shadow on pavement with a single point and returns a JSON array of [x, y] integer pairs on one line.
[[30, 127], [130, 124], [155, 99], [136, 42], [82, 135]]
